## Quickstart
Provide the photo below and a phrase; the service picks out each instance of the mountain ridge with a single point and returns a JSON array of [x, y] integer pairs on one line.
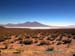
[[28, 24]]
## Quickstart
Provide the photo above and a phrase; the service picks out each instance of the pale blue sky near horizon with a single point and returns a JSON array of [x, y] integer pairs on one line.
[[50, 12]]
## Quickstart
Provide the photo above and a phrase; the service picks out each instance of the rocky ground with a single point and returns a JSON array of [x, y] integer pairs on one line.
[[37, 44]]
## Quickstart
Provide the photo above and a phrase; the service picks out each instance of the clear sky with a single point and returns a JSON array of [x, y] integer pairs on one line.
[[50, 12]]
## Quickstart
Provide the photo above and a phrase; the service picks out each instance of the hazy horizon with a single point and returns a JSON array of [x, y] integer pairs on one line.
[[49, 12], [34, 22]]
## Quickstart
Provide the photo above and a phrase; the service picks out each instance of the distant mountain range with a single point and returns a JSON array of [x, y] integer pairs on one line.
[[27, 24], [36, 25]]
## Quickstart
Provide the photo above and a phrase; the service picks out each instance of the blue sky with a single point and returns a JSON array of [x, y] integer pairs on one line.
[[50, 12]]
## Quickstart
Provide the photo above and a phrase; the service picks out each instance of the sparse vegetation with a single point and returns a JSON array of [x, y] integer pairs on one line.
[[25, 38], [50, 49], [27, 42], [17, 51]]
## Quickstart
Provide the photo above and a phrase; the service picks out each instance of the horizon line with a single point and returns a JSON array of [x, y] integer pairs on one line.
[[38, 22]]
